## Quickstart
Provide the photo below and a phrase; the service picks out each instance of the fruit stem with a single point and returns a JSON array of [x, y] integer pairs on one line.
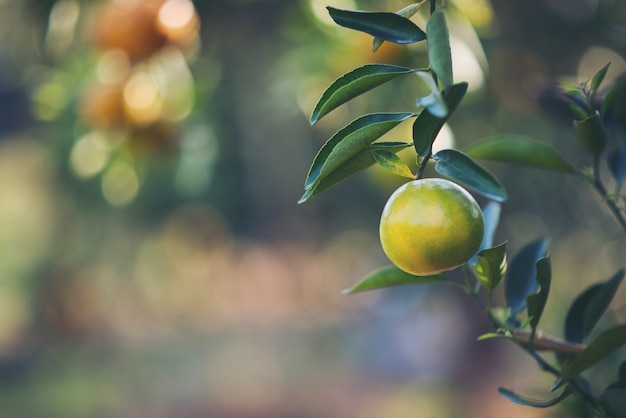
[[422, 166]]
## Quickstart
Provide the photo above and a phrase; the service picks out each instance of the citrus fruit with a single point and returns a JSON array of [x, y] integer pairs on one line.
[[429, 226]]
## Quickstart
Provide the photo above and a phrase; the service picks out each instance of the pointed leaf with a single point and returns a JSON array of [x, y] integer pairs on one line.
[[520, 150], [614, 400], [490, 266], [406, 12], [427, 126], [392, 276], [356, 163], [349, 140], [354, 83], [605, 344], [391, 162], [598, 77], [490, 336], [383, 25], [520, 279], [462, 168], [537, 301], [588, 307], [590, 133], [439, 53], [523, 400], [434, 102]]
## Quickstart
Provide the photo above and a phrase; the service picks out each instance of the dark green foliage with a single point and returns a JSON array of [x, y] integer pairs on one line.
[[521, 276], [527, 277], [382, 25]]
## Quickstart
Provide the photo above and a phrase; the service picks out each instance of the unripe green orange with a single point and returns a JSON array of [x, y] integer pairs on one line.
[[429, 226]]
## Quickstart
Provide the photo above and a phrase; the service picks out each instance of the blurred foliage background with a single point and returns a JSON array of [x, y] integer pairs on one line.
[[154, 262]]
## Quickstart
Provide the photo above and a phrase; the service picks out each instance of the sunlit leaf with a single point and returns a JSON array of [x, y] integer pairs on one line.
[[356, 163], [354, 83], [520, 150], [490, 266], [392, 163], [439, 53], [383, 25], [596, 80], [490, 336], [427, 126], [525, 401], [588, 307], [349, 140], [520, 280], [605, 344], [536, 302], [591, 134], [462, 168], [392, 276]]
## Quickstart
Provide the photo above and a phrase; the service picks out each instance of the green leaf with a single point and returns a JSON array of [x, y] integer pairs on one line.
[[353, 165], [525, 401], [520, 278], [383, 25], [354, 83], [349, 140], [590, 133], [588, 307], [391, 162], [439, 53], [406, 12], [614, 400], [605, 344], [596, 80], [434, 102], [427, 126], [392, 276], [490, 336], [462, 168], [537, 301], [490, 266], [520, 150]]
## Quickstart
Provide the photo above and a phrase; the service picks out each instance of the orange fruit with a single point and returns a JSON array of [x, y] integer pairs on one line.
[[429, 226], [129, 25]]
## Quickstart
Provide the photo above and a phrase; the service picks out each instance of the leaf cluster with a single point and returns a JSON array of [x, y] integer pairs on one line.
[[526, 279]]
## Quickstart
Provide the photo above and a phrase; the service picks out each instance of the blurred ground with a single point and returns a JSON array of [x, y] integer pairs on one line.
[[154, 262]]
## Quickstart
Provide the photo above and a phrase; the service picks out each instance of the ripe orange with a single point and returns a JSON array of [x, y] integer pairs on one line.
[[429, 226]]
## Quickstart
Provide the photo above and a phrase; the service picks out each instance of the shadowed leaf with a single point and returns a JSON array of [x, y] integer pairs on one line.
[[462, 168], [427, 126], [537, 301], [382, 25], [439, 54], [605, 344], [588, 307], [520, 150], [520, 278], [525, 401]]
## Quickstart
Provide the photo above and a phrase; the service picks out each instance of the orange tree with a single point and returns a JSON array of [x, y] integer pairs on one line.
[[409, 238]]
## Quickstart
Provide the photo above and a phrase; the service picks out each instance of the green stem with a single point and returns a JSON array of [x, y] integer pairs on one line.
[[597, 183]]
